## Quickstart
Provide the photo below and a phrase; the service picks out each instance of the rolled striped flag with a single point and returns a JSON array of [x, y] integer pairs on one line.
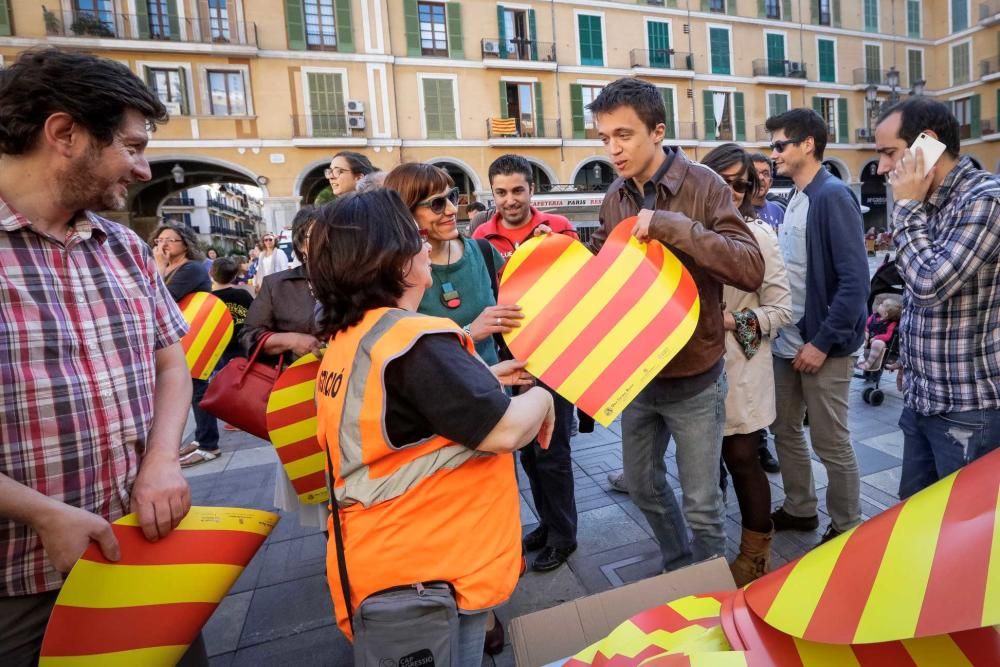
[[597, 329], [147, 608], [291, 423], [211, 329]]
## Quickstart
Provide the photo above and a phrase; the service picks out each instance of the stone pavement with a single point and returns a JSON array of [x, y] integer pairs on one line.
[[279, 612]]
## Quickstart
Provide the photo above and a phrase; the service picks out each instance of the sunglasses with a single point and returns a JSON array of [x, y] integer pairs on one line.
[[738, 184], [268, 240], [437, 205], [780, 146]]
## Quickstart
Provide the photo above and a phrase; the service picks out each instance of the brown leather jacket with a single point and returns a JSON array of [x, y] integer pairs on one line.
[[696, 219]]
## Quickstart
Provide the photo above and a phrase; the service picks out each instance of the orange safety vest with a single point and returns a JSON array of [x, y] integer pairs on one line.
[[432, 510]]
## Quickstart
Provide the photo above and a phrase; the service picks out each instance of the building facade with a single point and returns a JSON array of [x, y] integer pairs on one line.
[[224, 216], [265, 92]]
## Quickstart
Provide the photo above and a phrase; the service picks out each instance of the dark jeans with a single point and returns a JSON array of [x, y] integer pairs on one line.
[[206, 425], [22, 628], [935, 446], [550, 472]]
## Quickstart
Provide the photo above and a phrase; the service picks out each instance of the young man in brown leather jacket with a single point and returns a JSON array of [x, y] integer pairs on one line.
[[688, 209]]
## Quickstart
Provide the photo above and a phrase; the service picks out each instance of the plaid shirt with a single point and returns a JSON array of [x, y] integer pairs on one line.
[[947, 254], [80, 323]]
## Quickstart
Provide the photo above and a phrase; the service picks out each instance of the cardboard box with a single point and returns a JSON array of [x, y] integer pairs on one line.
[[546, 636]]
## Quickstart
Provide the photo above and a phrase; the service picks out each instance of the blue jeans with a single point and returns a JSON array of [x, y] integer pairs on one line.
[[935, 446], [696, 425], [471, 637]]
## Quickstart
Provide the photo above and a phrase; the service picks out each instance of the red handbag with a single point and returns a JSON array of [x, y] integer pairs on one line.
[[238, 393]]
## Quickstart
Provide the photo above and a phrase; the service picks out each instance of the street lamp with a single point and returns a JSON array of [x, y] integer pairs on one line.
[[892, 78], [871, 98], [918, 88]]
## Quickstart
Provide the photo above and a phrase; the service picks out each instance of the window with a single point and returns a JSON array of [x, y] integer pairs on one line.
[[168, 84], [433, 29], [227, 94], [321, 27], [827, 108], [658, 42], [776, 63], [959, 15], [873, 64], [826, 49], [326, 104], [772, 9], [591, 40], [439, 108], [913, 18], [717, 6], [824, 12], [516, 35], [915, 65], [960, 64], [100, 10], [871, 15], [777, 103], [963, 113], [718, 39], [218, 20], [159, 19], [580, 96], [589, 94], [718, 116]]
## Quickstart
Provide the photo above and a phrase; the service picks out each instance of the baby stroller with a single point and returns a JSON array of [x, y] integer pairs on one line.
[[885, 281]]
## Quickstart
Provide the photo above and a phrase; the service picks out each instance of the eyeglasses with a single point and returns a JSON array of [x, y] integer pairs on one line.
[[336, 172], [780, 146], [437, 205], [163, 241], [738, 185]]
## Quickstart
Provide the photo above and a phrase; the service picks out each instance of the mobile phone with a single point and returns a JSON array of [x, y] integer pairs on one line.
[[931, 148]]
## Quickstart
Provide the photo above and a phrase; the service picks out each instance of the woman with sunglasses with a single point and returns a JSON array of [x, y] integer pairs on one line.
[[750, 319], [462, 289], [272, 259], [345, 170], [434, 496]]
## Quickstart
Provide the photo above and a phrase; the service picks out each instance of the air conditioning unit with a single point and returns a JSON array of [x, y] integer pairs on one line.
[[794, 66], [355, 106], [356, 122], [491, 47]]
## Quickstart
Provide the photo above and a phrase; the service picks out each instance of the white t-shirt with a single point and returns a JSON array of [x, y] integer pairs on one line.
[[792, 239]]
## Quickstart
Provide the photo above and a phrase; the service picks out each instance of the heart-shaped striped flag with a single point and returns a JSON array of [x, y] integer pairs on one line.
[[597, 329], [211, 329]]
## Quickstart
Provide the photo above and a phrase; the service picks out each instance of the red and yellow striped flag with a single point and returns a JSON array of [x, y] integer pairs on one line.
[[503, 126], [291, 423], [928, 566], [148, 607], [211, 329], [598, 329]]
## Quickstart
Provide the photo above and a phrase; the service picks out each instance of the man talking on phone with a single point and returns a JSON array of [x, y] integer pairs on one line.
[[944, 226]]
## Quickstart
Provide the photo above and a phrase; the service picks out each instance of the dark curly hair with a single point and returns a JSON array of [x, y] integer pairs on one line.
[[359, 250], [191, 249], [301, 224], [725, 156], [95, 92]]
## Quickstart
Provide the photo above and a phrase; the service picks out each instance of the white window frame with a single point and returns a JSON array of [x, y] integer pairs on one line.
[[675, 119], [604, 36], [968, 12], [206, 95], [306, 104], [906, 10], [732, 108], [923, 64], [767, 100], [836, 117], [708, 38], [185, 67], [878, 16], [590, 84], [423, 109], [951, 61], [836, 60]]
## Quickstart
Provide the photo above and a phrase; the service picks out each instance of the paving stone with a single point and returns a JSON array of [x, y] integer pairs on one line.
[[213, 467], [251, 573], [321, 647], [878, 496], [528, 515], [289, 528], [287, 609], [606, 528], [257, 456], [593, 502], [223, 630], [886, 481], [594, 570], [223, 660], [294, 559], [891, 443], [541, 590], [872, 460]]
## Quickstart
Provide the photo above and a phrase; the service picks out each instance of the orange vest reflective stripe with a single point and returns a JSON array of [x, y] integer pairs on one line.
[[427, 511]]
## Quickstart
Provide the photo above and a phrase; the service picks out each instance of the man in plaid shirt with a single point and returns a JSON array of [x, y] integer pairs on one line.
[[946, 227], [94, 391]]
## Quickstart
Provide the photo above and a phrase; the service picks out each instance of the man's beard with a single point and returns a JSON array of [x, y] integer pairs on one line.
[[80, 188]]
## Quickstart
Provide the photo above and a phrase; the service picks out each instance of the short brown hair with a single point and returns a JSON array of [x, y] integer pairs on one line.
[[416, 181]]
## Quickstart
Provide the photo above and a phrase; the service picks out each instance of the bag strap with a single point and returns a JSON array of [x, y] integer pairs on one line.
[[486, 249], [345, 584]]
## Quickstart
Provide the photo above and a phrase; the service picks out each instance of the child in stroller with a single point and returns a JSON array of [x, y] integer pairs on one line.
[[886, 283], [880, 330]]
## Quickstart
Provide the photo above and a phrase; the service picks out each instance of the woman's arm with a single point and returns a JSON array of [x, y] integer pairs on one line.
[[775, 309], [530, 415]]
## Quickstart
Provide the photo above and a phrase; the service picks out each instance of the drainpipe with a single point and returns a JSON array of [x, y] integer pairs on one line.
[[392, 64], [552, 13], [694, 111]]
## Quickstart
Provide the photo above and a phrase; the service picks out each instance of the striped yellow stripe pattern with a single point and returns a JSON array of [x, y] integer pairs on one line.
[[154, 655]]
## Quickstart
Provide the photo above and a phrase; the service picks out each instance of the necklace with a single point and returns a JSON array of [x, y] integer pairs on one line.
[[449, 295]]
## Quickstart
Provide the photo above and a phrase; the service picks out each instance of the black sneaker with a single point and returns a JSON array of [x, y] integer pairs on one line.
[[767, 460], [830, 533], [551, 558], [536, 539], [785, 521]]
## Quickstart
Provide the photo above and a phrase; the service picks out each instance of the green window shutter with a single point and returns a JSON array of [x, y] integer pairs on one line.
[[503, 100], [591, 40], [439, 108], [913, 18], [142, 18], [915, 65], [532, 34], [502, 32], [719, 50], [741, 121], [761, 10], [4, 18], [539, 115], [843, 129], [731, 7], [817, 103], [959, 15], [870, 12], [432, 109], [185, 97], [659, 44], [345, 31], [705, 5], [446, 93], [775, 55], [710, 134], [835, 10], [786, 10], [456, 47], [173, 20], [412, 21], [975, 111], [668, 105], [576, 108], [295, 24], [815, 11]]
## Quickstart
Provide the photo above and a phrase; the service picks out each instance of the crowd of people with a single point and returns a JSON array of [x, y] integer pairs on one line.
[[427, 407]]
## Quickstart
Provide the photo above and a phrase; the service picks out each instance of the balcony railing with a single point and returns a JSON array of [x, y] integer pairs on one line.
[[988, 10], [786, 69], [661, 58], [518, 48], [112, 25], [989, 66], [871, 75], [681, 131], [523, 128], [326, 125], [571, 188], [179, 201]]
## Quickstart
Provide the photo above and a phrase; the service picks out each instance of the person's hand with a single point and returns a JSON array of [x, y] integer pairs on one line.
[[161, 496], [67, 531], [548, 424], [542, 229], [496, 319], [511, 373], [907, 179], [728, 322], [303, 344], [809, 359], [640, 230]]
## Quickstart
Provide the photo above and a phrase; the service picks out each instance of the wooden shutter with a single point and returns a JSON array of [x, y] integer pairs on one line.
[[741, 120], [786, 10], [345, 30], [731, 7], [456, 47], [576, 108], [142, 18], [975, 111], [503, 100], [502, 32], [446, 97], [710, 134], [843, 129], [658, 38], [668, 106], [533, 34], [817, 103], [173, 20], [432, 109], [705, 6], [5, 18], [761, 9], [295, 24], [412, 21], [835, 10], [815, 11], [539, 116], [185, 96]]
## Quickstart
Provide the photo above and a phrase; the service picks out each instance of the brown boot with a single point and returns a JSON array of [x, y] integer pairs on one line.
[[754, 560]]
